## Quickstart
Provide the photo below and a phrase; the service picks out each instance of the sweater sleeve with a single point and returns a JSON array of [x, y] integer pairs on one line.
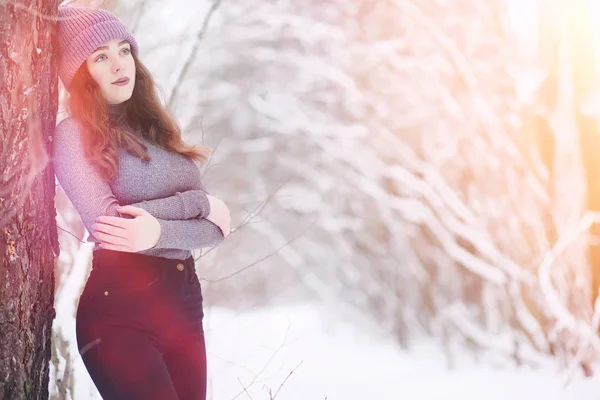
[[89, 192], [190, 234], [182, 205], [92, 196]]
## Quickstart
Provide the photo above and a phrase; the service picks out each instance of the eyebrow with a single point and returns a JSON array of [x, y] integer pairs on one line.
[[106, 47]]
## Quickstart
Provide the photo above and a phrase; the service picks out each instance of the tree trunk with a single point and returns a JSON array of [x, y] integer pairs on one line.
[[566, 51], [546, 103], [585, 83], [28, 233]]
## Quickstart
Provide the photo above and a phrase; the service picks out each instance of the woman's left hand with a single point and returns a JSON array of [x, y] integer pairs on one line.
[[130, 235]]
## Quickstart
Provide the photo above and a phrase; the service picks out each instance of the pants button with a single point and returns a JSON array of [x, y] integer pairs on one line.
[[180, 267]]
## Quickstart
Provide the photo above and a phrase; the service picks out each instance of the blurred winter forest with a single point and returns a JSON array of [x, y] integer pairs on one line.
[[382, 157]]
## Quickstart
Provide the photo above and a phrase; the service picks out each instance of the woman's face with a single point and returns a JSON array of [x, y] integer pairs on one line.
[[112, 67]]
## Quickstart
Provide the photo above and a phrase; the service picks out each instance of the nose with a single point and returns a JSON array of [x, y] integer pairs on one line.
[[116, 66]]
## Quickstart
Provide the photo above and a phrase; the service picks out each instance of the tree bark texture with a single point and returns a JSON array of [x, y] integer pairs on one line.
[[28, 233]]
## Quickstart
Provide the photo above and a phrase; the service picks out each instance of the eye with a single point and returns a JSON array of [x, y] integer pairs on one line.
[[125, 51], [101, 57]]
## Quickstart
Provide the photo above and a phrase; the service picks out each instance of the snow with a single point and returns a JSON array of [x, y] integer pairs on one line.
[[64, 324], [306, 352], [333, 359]]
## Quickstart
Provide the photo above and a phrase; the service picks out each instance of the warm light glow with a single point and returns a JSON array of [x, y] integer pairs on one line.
[[524, 19], [595, 14]]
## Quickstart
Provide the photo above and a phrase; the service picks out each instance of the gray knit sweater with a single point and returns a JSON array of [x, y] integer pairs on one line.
[[169, 187]]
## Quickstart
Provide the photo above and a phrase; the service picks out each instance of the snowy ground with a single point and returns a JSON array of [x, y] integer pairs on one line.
[[332, 360], [253, 351]]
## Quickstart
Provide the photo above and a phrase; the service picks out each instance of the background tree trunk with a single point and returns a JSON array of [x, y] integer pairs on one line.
[[28, 235], [567, 53], [564, 135], [582, 56]]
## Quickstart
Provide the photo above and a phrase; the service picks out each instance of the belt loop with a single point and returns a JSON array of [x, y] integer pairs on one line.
[[190, 267]]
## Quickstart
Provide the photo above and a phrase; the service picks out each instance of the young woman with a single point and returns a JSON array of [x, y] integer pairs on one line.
[[122, 162]]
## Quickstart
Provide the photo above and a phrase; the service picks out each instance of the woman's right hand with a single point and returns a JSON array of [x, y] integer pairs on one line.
[[219, 214]]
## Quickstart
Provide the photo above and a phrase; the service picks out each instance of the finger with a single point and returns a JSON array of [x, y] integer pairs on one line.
[[131, 210], [109, 239], [114, 221], [109, 229], [225, 230]]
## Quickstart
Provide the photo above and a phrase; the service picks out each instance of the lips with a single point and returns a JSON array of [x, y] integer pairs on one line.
[[121, 82]]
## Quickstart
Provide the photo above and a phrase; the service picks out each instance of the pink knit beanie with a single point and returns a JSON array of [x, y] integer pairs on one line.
[[81, 31]]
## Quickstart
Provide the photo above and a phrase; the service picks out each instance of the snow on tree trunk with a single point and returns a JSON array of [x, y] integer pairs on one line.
[[28, 238]]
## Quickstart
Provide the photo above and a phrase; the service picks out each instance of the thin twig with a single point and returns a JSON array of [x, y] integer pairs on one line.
[[192, 55], [64, 230], [138, 19], [244, 388], [286, 378], [266, 363], [260, 259]]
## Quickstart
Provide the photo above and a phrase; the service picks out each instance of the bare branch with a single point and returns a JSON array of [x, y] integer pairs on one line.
[[239, 271], [192, 55]]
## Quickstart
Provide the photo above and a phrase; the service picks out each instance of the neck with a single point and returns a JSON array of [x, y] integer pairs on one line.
[[116, 110], [116, 113]]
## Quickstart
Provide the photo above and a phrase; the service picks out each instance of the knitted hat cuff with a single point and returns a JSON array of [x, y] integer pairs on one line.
[[86, 42]]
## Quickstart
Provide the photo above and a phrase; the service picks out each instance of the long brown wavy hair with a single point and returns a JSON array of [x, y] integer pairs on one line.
[[143, 112]]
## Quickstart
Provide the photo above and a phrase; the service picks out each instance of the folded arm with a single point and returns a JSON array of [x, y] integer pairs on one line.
[[92, 196], [182, 205], [188, 234]]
